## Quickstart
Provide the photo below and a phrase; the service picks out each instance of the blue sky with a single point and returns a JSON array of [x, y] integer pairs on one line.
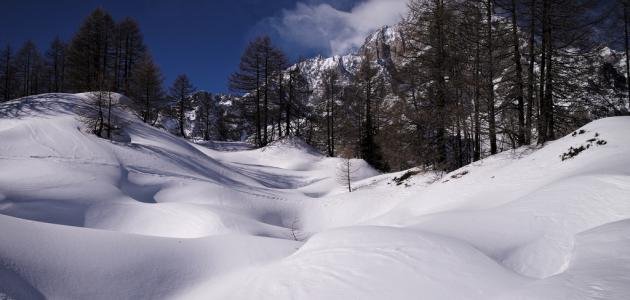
[[205, 39]]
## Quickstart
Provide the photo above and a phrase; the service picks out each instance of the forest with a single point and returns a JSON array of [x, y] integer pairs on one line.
[[454, 81]]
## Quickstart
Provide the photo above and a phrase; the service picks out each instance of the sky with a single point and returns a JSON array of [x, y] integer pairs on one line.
[[205, 39]]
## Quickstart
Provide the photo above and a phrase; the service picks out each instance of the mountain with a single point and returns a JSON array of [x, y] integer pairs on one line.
[[383, 46]]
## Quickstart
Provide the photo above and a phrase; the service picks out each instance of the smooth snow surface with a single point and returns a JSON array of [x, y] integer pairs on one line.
[[152, 216]]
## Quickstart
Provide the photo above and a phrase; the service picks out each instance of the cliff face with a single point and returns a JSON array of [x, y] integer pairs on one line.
[[384, 47]]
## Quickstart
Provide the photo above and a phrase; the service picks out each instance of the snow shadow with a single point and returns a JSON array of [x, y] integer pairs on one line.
[[45, 104], [13, 286], [138, 192]]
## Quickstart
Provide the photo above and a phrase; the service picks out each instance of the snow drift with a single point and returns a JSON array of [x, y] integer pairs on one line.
[[153, 216]]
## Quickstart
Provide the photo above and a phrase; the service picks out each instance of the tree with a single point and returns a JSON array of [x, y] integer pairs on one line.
[[626, 42], [129, 50], [98, 113], [180, 94], [519, 85], [56, 65], [90, 57], [298, 92], [490, 78], [28, 69], [247, 81], [330, 79], [7, 72], [429, 35], [531, 76], [147, 90], [566, 37], [345, 172], [205, 113], [257, 79], [368, 82]]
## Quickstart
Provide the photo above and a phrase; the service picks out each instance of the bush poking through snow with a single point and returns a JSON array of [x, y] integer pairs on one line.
[[573, 152], [460, 174], [581, 131], [404, 177], [100, 118]]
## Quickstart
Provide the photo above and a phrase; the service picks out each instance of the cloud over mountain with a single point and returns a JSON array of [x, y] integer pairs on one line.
[[322, 26]]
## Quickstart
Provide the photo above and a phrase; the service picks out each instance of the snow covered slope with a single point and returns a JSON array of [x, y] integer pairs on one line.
[[153, 216]]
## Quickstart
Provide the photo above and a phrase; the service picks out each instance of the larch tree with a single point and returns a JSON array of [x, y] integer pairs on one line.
[[180, 94], [205, 112], [28, 69], [90, 53], [56, 65], [330, 94], [147, 90], [7, 74], [129, 50], [368, 81], [257, 79], [247, 80]]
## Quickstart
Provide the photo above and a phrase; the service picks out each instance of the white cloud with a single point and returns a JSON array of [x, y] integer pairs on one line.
[[324, 27]]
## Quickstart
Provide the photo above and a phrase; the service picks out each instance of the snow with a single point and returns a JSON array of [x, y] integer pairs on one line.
[[153, 216]]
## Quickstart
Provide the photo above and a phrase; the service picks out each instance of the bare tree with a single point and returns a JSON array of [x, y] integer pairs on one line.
[[7, 73], [180, 93], [345, 172], [146, 89]]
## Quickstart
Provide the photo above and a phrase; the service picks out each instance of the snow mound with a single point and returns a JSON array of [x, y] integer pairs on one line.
[[154, 216]]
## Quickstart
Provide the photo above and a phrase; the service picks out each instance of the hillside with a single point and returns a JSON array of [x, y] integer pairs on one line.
[[153, 216]]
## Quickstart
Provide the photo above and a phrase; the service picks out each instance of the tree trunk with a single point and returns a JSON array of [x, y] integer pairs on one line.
[[147, 108], [332, 121], [530, 74], [7, 73], [441, 86], [547, 133], [266, 100], [477, 121], [542, 131], [109, 115], [181, 117], [519, 77], [625, 22], [348, 177], [288, 106], [258, 118], [491, 116]]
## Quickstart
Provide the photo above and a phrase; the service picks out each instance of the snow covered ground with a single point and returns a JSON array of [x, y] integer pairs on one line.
[[152, 216]]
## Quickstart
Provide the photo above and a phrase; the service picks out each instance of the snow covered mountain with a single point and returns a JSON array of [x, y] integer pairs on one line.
[[384, 46], [154, 216]]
